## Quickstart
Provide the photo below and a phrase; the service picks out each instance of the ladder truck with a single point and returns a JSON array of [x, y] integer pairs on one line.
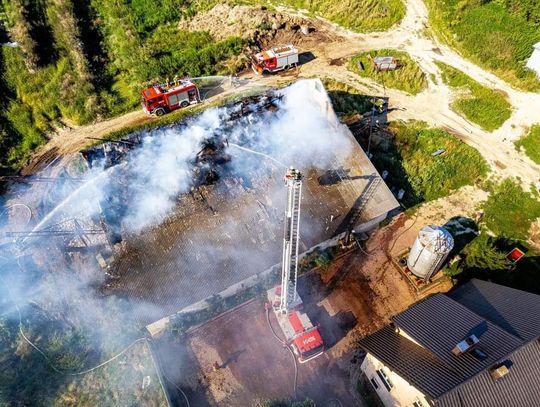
[[300, 334]]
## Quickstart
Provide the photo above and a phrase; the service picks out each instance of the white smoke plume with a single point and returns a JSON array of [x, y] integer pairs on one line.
[[155, 174]]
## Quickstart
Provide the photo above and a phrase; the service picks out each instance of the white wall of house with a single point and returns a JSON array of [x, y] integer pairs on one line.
[[401, 394], [534, 61]]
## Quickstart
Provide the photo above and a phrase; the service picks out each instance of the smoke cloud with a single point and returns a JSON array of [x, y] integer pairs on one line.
[[147, 183]]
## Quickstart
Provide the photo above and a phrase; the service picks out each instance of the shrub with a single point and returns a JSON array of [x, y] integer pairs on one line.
[[509, 210]]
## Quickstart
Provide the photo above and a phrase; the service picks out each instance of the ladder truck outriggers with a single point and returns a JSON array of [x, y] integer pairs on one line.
[[304, 338]]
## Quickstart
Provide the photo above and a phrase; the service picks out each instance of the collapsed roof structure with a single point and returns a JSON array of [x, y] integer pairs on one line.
[[220, 233], [193, 208]]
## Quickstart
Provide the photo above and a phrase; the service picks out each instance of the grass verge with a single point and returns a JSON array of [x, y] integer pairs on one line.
[[510, 211], [357, 15], [408, 78], [497, 35], [411, 166], [486, 107], [531, 143]]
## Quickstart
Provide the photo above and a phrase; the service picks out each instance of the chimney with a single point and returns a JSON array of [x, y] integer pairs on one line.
[[499, 371], [465, 345]]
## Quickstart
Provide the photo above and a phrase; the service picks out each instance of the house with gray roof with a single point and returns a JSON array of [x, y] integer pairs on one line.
[[478, 345]]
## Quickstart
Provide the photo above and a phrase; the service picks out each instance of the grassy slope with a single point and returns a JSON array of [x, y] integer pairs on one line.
[[531, 143], [357, 15], [481, 105], [489, 35], [509, 211], [423, 177], [409, 78]]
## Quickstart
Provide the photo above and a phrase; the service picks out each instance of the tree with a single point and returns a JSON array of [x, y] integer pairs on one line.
[[482, 254]]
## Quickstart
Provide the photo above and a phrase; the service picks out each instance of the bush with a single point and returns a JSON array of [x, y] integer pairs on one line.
[[531, 143], [481, 253], [486, 107], [509, 210], [408, 78]]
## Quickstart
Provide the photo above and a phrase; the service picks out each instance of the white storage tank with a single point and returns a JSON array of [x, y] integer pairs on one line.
[[429, 251]]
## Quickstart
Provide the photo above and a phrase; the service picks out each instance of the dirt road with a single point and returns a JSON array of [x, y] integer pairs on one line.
[[431, 105]]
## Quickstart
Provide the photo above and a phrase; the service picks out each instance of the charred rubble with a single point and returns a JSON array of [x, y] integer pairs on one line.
[[208, 165]]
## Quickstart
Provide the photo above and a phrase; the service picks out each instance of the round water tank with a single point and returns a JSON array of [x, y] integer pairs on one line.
[[429, 251]]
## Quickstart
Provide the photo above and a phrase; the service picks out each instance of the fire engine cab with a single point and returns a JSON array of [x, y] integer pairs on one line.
[[165, 98], [275, 59], [306, 341], [301, 335]]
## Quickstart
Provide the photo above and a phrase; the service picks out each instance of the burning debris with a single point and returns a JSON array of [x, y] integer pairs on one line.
[[186, 210]]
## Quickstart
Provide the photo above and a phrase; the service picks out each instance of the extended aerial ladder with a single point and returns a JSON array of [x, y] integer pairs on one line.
[[304, 338], [291, 240]]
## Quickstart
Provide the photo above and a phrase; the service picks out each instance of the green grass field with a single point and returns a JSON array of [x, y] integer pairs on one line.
[[408, 78], [497, 35], [486, 107], [423, 177], [531, 143], [509, 211], [356, 15]]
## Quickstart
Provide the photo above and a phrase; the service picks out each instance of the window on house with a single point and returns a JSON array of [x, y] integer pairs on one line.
[[374, 382], [384, 378]]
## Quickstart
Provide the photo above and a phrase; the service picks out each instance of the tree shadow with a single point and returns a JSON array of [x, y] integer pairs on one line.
[[35, 13], [464, 230]]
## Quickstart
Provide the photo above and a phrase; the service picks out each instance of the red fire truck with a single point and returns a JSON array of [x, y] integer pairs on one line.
[[165, 98], [275, 59], [306, 341]]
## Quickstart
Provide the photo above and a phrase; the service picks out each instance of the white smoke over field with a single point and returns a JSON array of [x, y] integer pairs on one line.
[[146, 183]]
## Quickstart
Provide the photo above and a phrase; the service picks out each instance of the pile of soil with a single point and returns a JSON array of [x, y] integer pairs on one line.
[[258, 25]]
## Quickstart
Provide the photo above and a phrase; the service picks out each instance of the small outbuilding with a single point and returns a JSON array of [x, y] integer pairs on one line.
[[534, 61], [386, 63]]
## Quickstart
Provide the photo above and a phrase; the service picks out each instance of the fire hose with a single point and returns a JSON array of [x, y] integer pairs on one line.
[[59, 371], [286, 345], [49, 362]]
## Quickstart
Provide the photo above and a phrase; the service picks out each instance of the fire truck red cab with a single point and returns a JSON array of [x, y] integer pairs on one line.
[[275, 59], [165, 98], [307, 342]]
